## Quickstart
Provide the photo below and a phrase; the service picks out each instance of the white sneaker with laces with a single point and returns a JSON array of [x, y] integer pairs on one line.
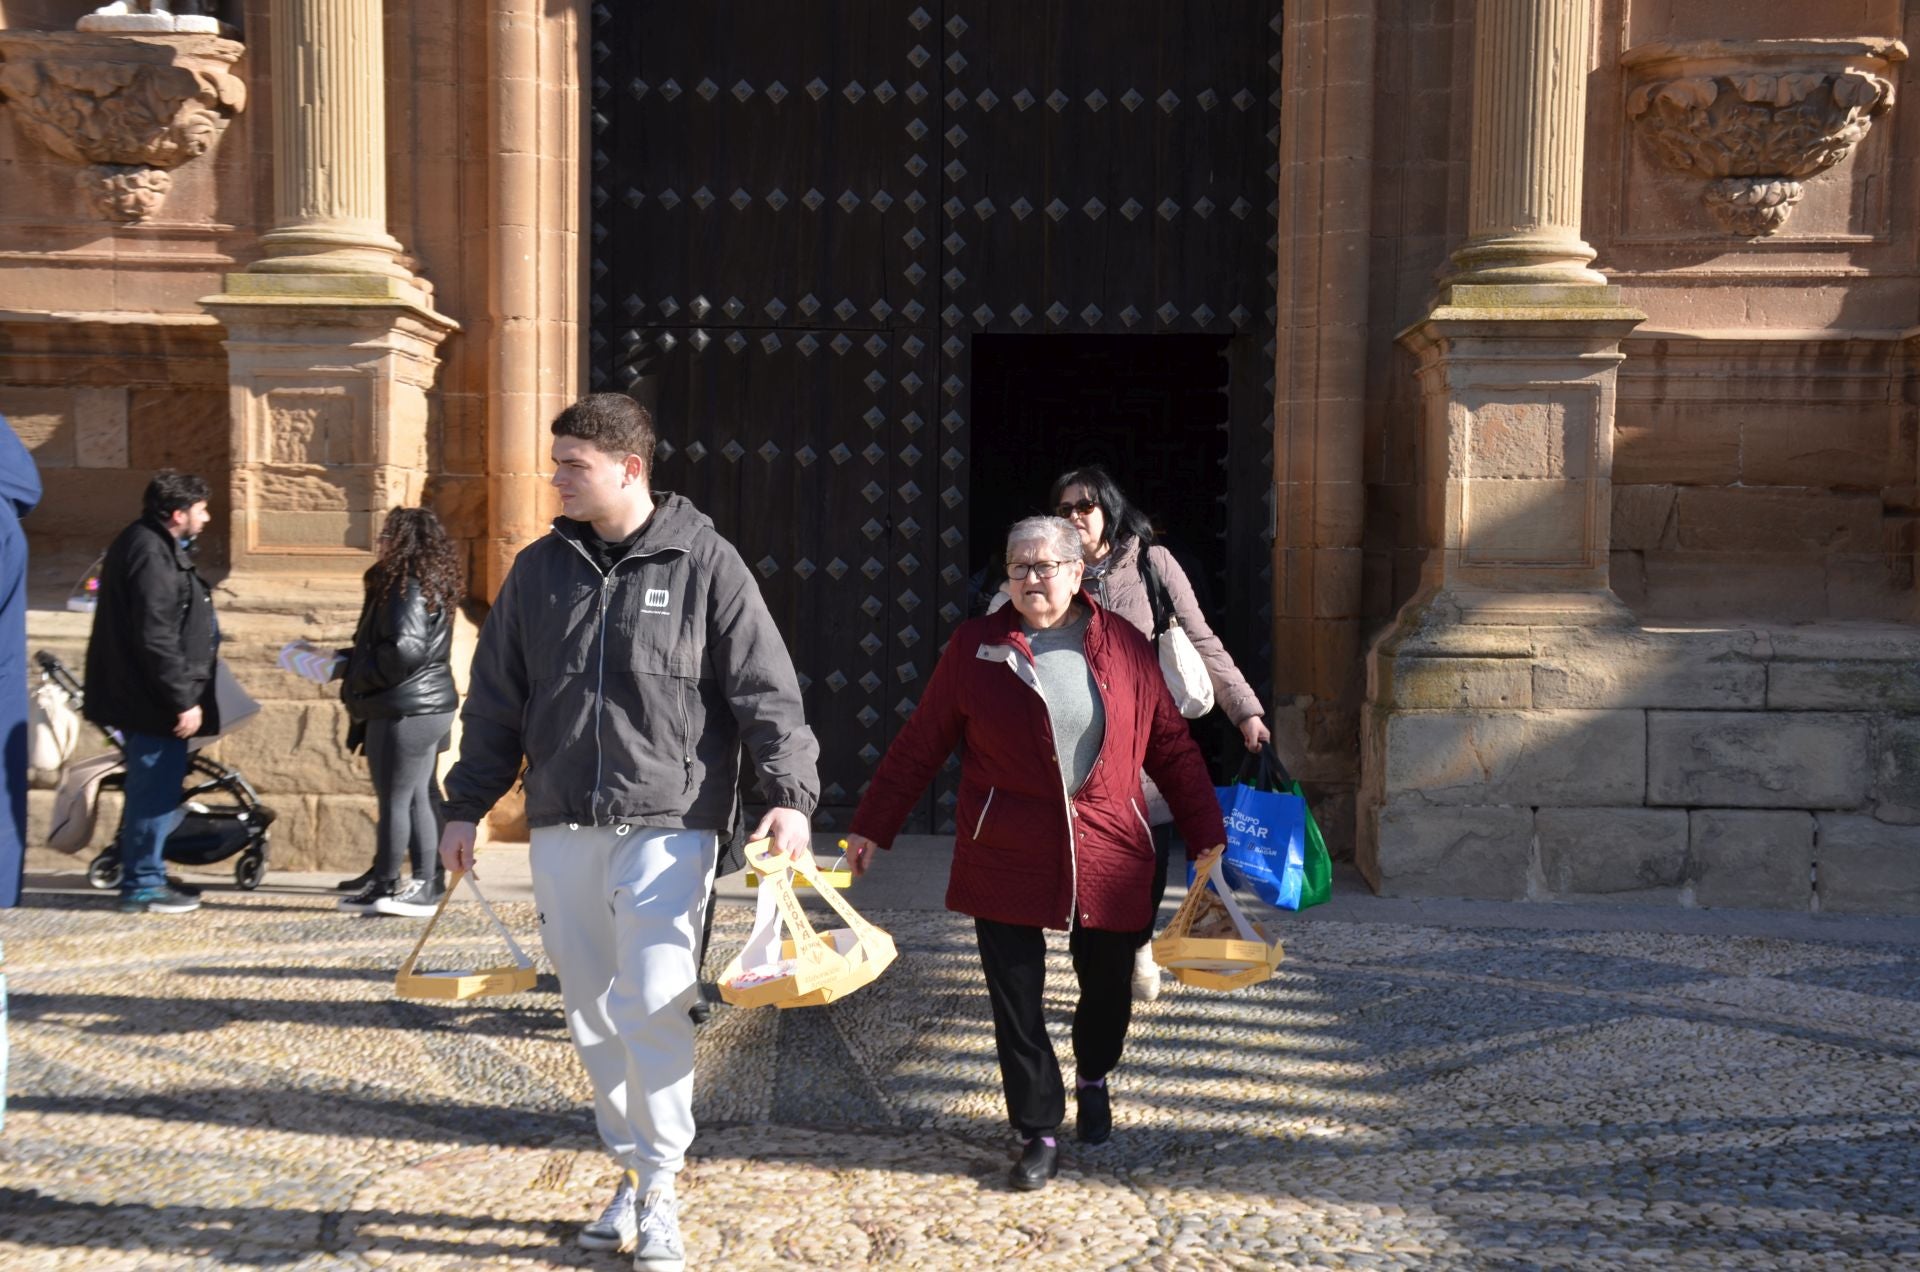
[[1146, 975], [660, 1248], [617, 1225]]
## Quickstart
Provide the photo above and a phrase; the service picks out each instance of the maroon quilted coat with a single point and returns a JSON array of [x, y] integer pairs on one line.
[[1015, 859]]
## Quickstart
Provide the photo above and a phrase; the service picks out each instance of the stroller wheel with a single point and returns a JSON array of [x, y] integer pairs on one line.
[[250, 869], [104, 871]]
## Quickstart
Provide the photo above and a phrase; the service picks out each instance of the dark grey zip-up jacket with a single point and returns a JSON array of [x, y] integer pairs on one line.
[[629, 693]]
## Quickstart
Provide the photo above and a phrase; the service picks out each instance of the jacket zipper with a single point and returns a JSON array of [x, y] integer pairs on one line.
[[686, 741], [983, 812], [600, 680], [600, 699], [1066, 796]]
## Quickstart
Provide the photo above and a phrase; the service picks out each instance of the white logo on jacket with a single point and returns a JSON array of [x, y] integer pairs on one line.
[[655, 601]]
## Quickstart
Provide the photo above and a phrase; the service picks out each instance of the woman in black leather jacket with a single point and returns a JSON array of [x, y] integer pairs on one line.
[[398, 689]]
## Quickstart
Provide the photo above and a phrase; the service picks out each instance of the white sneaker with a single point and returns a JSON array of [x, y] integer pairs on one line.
[[1146, 975], [660, 1247], [617, 1225]]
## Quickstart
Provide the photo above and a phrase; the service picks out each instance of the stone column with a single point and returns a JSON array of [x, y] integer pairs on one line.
[[1529, 135], [329, 183], [1322, 338], [533, 338], [331, 339], [1516, 364]]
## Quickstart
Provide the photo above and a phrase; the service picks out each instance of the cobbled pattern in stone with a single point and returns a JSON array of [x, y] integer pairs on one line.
[[241, 1088]]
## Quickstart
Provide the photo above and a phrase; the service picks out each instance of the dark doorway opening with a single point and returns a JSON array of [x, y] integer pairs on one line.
[[1153, 409]]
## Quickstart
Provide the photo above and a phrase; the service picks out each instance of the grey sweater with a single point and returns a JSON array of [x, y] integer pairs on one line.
[[1073, 701]]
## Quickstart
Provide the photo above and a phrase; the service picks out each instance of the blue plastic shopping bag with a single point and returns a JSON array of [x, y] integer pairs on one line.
[[1266, 842]]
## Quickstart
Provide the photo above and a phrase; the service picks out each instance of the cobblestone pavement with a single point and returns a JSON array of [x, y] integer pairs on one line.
[[240, 1088]]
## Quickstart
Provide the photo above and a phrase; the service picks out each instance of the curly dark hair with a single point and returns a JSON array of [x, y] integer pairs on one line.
[[414, 545]]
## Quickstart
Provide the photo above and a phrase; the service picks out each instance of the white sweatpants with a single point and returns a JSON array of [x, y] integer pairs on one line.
[[620, 913]]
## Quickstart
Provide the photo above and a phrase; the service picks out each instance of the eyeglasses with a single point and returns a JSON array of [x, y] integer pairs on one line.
[[1083, 507], [1018, 570]]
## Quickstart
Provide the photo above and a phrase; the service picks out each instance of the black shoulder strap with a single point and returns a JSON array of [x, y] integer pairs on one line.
[[1157, 599]]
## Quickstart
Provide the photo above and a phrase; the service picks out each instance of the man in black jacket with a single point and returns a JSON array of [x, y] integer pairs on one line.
[[150, 666], [626, 661]]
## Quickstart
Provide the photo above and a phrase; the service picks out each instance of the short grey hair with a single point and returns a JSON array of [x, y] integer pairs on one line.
[[1057, 533]]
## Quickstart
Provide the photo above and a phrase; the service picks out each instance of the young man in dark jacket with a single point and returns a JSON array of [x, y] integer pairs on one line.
[[150, 666], [626, 660]]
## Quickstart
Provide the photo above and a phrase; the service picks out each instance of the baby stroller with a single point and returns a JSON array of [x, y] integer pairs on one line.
[[221, 813]]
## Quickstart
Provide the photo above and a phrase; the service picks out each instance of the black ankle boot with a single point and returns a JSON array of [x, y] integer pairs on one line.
[[1039, 1163], [1095, 1123]]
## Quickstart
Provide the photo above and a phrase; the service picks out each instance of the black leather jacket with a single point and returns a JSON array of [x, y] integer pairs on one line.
[[400, 663], [155, 639]]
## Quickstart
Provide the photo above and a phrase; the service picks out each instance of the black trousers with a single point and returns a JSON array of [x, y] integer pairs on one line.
[[1014, 959]]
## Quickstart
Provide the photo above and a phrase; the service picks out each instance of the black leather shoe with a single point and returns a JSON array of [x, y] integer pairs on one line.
[[1095, 1123], [1039, 1163], [356, 883]]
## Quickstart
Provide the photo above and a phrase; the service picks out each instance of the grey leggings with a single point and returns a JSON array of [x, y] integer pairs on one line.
[[401, 754]]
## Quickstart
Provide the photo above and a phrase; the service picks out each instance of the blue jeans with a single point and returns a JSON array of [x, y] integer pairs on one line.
[[156, 767]]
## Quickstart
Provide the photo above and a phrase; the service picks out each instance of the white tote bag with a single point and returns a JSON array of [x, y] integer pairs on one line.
[[1180, 663], [1185, 671]]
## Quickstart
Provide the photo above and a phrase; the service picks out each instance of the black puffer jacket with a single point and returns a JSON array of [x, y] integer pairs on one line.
[[155, 639], [400, 663], [629, 692]]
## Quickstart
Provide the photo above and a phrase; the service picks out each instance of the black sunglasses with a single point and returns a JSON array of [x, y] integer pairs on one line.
[[1083, 507]]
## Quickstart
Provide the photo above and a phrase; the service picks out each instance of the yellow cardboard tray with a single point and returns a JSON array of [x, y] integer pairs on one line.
[[461, 983], [1222, 963], [824, 966]]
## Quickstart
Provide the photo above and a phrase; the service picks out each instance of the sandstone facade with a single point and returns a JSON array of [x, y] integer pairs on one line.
[[1596, 467]]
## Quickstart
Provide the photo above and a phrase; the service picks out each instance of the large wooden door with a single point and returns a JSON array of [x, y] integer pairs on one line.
[[804, 213]]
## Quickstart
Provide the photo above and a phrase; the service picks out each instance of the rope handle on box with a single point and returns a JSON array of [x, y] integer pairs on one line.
[[776, 865], [473, 881], [1203, 870]]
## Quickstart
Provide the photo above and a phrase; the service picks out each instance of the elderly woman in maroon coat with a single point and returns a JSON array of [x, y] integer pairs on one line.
[[1060, 706]]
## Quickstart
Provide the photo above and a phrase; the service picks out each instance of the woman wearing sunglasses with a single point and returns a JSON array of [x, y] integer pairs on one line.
[[1115, 540], [1058, 708]]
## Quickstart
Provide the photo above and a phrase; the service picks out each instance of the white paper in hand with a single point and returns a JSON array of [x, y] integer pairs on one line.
[[307, 662]]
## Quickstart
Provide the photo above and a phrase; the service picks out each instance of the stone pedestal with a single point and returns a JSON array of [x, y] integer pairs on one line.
[[329, 409], [1517, 437], [1516, 426], [331, 339]]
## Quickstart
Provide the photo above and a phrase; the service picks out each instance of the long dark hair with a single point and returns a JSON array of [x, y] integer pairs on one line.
[[1123, 520], [414, 545]]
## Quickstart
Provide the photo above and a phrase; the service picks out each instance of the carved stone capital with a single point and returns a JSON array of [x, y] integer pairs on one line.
[[1757, 118], [128, 107]]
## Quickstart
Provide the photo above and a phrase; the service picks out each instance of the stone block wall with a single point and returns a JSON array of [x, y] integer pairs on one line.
[[1775, 768], [1767, 477], [102, 406]]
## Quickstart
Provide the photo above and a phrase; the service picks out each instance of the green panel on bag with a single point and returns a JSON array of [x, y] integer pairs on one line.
[[1319, 866]]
